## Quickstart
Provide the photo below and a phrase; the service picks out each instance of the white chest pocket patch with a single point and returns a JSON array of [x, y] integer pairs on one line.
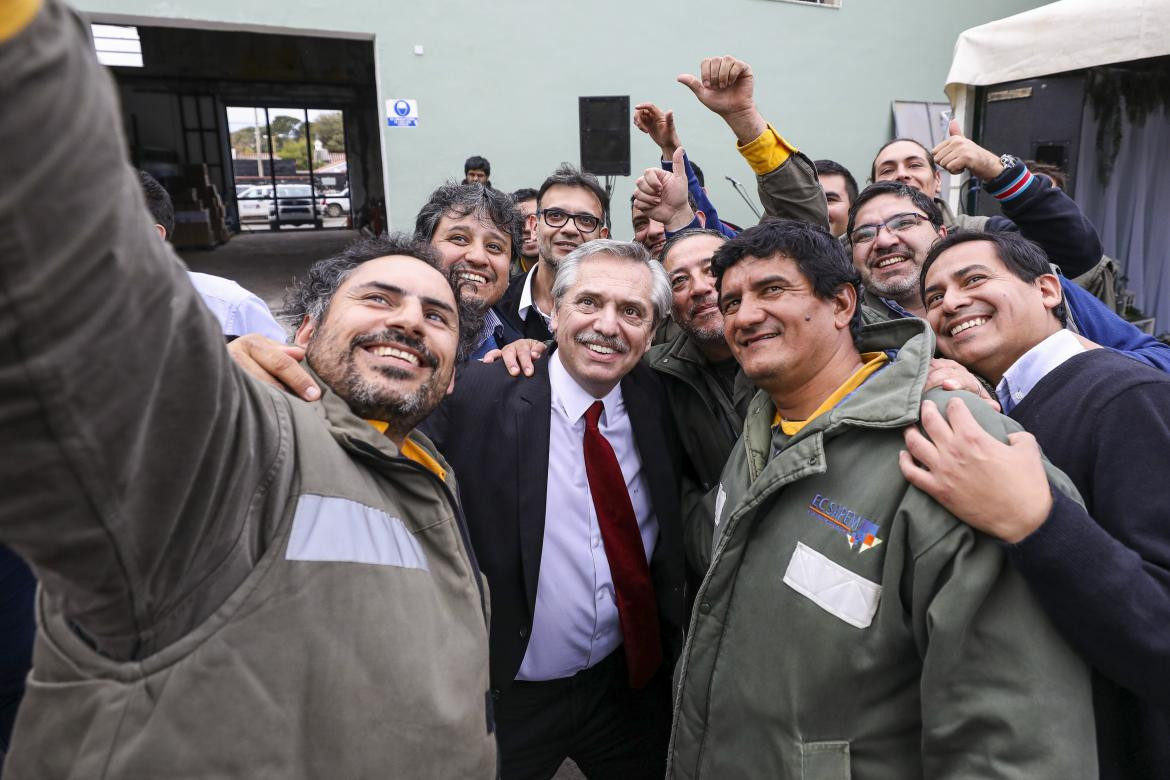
[[326, 528], [720, 500], [840, 592]]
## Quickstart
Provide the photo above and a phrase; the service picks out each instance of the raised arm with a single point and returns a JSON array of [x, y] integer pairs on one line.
[[126, 429], [661, 128], [1097, 322], [1042, 212], [786, 179]]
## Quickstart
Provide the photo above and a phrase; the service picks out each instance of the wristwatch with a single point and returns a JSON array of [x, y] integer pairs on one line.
[[1009, 161]]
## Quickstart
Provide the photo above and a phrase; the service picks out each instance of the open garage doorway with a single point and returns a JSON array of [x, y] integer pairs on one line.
[[311, 98], [271, 133], [289, 167]]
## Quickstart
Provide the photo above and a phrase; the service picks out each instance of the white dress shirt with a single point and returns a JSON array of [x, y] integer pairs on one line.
[[575, 624], [527, 302], [1034, 365], [239, 311]]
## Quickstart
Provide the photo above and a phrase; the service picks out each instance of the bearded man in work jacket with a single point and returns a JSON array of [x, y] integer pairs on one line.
[[848, 624], [233, 583]]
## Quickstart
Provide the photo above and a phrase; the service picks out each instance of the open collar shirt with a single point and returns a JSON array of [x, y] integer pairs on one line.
[[575, 624], [527, 302], [1034, 365]]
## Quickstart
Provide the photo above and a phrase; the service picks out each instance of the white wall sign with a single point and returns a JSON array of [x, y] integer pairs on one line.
[[401, 113]]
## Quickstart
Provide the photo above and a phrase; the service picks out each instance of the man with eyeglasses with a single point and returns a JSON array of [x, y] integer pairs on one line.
[[892, 227], [570, 210]]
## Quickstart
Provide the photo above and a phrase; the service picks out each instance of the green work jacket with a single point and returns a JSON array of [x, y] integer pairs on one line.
[[849, 626]]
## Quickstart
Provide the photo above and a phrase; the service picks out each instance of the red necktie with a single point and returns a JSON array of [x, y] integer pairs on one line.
[[637, 610]]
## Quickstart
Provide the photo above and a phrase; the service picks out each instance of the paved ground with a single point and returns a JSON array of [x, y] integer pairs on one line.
[[265, 262]]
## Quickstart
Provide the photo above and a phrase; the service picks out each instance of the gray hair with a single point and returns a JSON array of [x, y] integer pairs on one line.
[[490, 206], [569, 269]]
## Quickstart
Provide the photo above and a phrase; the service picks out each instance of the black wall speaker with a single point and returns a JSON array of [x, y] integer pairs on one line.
[[1034, 119], [605, 135]]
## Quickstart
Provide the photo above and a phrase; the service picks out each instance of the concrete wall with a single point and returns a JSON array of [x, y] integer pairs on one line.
[[502, 78]]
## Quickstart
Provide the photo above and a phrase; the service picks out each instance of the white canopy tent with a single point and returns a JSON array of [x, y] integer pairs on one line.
[[1072, 35], [1054, 38]]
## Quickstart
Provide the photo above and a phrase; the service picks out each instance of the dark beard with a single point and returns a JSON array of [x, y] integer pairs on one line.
[[471, 317], [400, 412]]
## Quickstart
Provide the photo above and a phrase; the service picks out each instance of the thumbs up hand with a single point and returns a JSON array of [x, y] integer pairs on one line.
[[957, 153], [662, 195], [726, 86]]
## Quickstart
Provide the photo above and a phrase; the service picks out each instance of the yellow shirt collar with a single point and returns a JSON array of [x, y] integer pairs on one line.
[[873, 361], [416, 453], [15, 15]]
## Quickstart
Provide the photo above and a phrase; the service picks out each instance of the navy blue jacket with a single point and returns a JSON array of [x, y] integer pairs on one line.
[[1103, 576]]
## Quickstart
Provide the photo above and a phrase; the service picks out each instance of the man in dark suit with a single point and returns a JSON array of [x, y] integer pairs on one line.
[[572, 504]]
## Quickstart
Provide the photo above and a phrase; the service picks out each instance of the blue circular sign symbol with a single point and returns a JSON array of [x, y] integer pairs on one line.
[[402, 108]]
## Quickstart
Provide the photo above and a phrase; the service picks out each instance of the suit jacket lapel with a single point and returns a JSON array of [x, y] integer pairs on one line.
[[531, 419]]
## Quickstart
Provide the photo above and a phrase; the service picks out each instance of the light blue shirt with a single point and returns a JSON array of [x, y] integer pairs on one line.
[[1034, 365], [575, 623], [491, 321]]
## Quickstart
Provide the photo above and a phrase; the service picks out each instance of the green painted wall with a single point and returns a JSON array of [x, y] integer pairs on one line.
[[501, 77]]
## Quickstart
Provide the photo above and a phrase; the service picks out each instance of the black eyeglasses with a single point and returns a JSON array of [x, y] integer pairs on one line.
[[556, 218], [895, 224]]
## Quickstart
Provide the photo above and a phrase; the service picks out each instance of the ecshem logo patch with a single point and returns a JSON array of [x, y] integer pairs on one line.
[[858, 530]]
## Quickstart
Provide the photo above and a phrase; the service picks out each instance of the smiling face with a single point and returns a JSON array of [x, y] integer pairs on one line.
[[556, 242], [604, 322], [984, 316], [891, 263], [386, 344], [907, 162], [480, 253], [695, 303], [648, 232], [780, 332]]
